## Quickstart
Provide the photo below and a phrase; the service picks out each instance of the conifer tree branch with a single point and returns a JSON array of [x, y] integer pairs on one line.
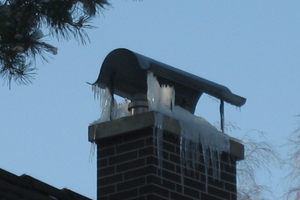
[[21, 35]]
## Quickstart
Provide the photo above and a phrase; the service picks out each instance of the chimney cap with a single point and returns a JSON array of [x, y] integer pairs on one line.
[[124, 72]]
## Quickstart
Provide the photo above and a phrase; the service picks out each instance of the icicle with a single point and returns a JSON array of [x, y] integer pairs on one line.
[[110, 109], [93, 146], [195, 131], [92, 152], [105, 103], [206, 162], [160, 98], [182, 152], [153, 93], [198, 131], [238, 109], [159, 139], [96, 91], [120, 110]]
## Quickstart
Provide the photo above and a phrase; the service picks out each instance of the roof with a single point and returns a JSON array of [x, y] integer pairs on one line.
[[124, 72], [24, 187]]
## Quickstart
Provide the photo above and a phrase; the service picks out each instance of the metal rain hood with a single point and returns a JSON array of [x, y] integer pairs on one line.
[[124, 72]]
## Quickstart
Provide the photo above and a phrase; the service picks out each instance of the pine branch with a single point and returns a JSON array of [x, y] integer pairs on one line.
[[21, 36]]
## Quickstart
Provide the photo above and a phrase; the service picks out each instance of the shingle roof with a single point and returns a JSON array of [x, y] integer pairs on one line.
[[24, 187]]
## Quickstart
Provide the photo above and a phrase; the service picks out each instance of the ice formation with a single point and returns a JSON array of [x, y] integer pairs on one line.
[[110, 109], [195, 131]]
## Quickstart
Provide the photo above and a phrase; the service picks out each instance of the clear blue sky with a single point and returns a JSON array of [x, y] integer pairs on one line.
[[252, 47]]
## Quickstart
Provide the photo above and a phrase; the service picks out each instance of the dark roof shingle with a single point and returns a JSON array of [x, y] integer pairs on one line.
[[24, 187]]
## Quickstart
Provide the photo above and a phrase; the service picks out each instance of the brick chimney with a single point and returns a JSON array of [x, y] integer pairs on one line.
[[153, 153]]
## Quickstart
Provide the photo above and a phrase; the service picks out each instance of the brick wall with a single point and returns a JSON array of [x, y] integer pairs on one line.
[[128, 168]]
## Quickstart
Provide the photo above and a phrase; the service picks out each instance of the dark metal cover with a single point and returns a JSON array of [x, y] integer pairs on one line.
[[124, 72]]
